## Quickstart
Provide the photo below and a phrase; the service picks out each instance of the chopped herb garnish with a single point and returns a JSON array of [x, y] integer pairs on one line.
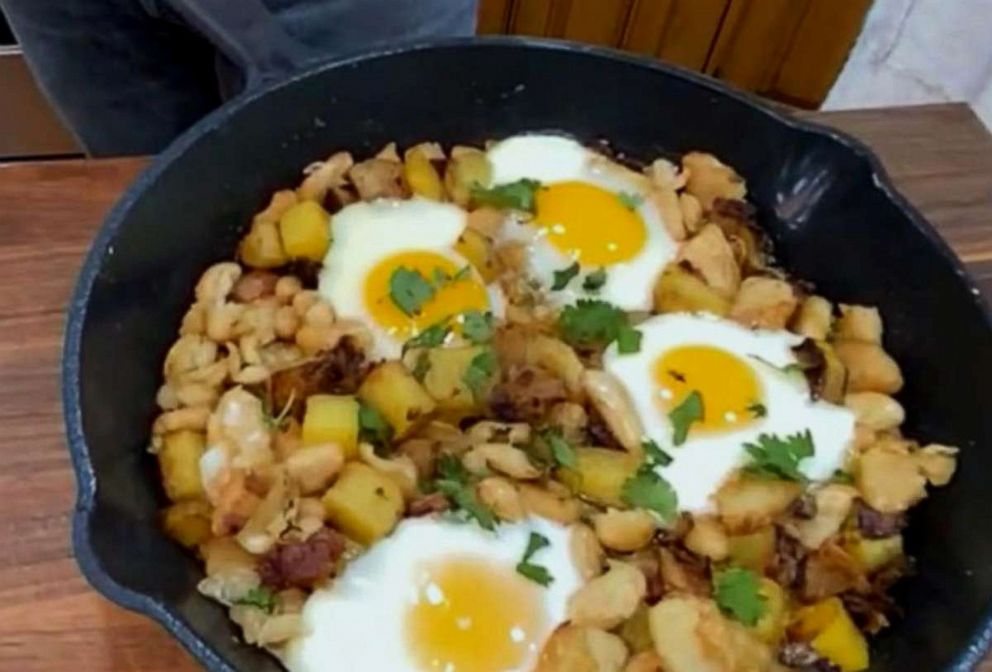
[[463, 273], [591, 322], [260, 597], [409, 290], [478, 326], [630, 201], [841, 476], [440, 277], [431, 337], [737, 592], [422, 366], [654, 454], [372, 427], [281, 421], [677, 375], [517, 195], [564, 276], [536, 573], [757, 409], [648, 490], [454, 483], [683, 415], [595, 280], [787, 369], [479, 372], [777, 457], [561, 450]]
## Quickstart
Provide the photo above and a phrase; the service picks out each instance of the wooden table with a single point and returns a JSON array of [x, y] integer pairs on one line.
[[50, 620]]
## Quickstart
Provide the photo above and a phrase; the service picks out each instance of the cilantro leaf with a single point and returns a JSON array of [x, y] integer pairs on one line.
[[454, 483], [647, 490], [517, 195], [422, 366], [757, 409], [630, 200], [463, 273], [372, 427], [536, 573], [409, 290], [595, 280], [440, 277], [477, 326], [564, 276], [737, 593], [591, 322], [561, 450], [479, 372], [431, 337], [260, 597], [777, 457], [841, 476], [654, 454], [683, 415]]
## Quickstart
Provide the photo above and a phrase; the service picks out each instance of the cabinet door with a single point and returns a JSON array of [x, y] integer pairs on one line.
[[677, 31]]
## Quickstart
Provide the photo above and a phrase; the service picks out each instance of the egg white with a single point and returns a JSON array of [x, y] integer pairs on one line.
[[550, 159], [365, 233], [358, 622], [704, 461]]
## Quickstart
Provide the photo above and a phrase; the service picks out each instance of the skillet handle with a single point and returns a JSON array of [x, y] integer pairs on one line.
[[249, 35]]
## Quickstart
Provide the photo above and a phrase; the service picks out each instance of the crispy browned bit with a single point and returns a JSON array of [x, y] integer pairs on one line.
[[871, 609], [599, 432], [307, 270], [801, 656], [829, 571], [787, 560], [254, 285], [378, 178], [337, 371], [427, 504], [650, 565], [804, 507], [302, 564], [338, 197], [876, 525], [683, 571], [751, 246], [824, 372], [526, 394]]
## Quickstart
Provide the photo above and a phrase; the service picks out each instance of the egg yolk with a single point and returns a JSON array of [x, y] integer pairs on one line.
[[588, 223], [731, 394], [470, 615], [447, 298]]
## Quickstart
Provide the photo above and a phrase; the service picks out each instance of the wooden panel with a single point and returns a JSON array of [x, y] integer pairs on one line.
[[494, 16], [647, 24], [531, 17], [595, 21], [754, 37], [822, 43], [691, 30], [28, 126]]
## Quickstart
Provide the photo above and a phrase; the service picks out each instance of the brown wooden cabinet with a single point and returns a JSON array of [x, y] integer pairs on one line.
[[790, 50]]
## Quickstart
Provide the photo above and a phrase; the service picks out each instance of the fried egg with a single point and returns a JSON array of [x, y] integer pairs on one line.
[[746, 389], [372, 241], [589, 210], [439, 596]]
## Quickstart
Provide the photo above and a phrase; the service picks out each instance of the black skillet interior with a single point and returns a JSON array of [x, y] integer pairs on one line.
[[822, 197]]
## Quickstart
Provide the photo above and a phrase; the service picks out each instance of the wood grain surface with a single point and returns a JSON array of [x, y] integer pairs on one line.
[[50, 620]]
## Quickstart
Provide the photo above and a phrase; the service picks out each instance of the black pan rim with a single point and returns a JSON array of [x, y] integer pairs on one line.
[[981, 639]]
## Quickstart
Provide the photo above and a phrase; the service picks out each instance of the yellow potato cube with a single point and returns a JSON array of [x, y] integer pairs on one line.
[[478, 249], [188, 522], [829, 629], [873, 554], [332, 418], [305, 230], [392, 390], [179, 460], [771, 626], [363, 503], [261, 247], [445, 377], [678, 290], [600, 473], [752, 551], [421, 176]]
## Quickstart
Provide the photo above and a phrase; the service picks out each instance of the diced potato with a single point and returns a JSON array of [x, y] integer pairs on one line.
[[420, 174], [771, 626], [710, 255], [609, 599], [873, 554], [938, 463], [179, 460], [708, 538], [478, 249], [305, 230], [525, 347], [188, 522], [832, 380], [878, 412], [314, 467], [636, 630], [859, 323], [262, 246], [710, 179], [829, 629], [600, 473], [766, 303], [552, 502], [332, 418], [393, 391], [745, 504], [678, 290], [467, 168], [752, 551], [869, 367], [890, 481], [445, 377], [572, 648], [813, 318], [363, 503], [833, 504]]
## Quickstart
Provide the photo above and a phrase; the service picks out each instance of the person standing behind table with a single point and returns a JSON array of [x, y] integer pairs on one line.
[[127, 76]]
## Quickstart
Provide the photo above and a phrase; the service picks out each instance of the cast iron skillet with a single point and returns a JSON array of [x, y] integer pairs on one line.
[[825, 200]]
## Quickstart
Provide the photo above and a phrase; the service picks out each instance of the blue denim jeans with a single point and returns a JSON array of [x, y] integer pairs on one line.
[[127, 76]]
